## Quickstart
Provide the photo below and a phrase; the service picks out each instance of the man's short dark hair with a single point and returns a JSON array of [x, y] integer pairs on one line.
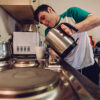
[[42, 7]]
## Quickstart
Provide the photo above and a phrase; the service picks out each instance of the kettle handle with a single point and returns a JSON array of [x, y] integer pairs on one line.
[[70, 26]]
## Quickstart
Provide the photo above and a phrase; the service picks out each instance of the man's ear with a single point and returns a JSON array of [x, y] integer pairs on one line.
[[50, 10]]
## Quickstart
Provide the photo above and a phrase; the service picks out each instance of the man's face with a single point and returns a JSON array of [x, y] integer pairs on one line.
[[47, 18]]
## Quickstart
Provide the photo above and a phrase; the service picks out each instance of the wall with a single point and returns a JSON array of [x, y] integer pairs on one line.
[[7, 25], [92, 6]]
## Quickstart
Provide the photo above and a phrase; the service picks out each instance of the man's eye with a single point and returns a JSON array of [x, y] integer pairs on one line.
[[43, 17]]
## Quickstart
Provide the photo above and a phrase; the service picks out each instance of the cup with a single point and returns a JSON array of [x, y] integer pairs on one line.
[[40, 52]]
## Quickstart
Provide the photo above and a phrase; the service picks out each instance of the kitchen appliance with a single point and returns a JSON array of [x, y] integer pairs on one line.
[[62, 46], [33, 84], [24, 43]]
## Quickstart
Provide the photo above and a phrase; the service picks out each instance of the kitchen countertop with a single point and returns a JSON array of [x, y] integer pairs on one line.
[[90, 87]]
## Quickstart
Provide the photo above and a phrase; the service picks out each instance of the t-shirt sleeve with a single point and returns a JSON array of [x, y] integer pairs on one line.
[[77, 13], [46, 31]]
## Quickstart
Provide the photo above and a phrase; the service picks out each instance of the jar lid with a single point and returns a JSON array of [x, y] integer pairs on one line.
[[19, 81]]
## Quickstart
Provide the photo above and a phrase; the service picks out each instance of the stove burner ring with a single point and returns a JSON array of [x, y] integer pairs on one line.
[[25, 63]]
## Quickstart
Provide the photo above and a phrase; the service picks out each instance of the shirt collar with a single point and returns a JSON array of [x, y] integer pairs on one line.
[[58, 21]]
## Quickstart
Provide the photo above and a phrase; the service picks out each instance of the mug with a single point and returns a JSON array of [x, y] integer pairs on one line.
[[40, 52]]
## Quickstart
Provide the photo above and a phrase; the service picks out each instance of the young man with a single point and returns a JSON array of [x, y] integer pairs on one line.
[[81, 57]]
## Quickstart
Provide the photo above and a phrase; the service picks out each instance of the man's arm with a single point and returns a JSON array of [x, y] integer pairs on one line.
[[90, 22]]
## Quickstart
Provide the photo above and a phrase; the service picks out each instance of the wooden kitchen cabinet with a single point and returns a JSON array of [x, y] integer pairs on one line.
[[21, 10]]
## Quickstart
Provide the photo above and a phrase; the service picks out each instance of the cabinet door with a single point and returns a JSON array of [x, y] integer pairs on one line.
[[21, 10]]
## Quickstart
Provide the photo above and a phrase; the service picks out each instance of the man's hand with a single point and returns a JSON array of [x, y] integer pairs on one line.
[[66, 29], [52, 52]]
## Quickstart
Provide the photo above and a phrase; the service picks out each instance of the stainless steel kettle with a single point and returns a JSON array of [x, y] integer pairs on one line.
[[61, 45]]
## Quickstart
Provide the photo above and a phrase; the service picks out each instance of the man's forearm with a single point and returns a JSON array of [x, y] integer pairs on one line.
[[90, 22]]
